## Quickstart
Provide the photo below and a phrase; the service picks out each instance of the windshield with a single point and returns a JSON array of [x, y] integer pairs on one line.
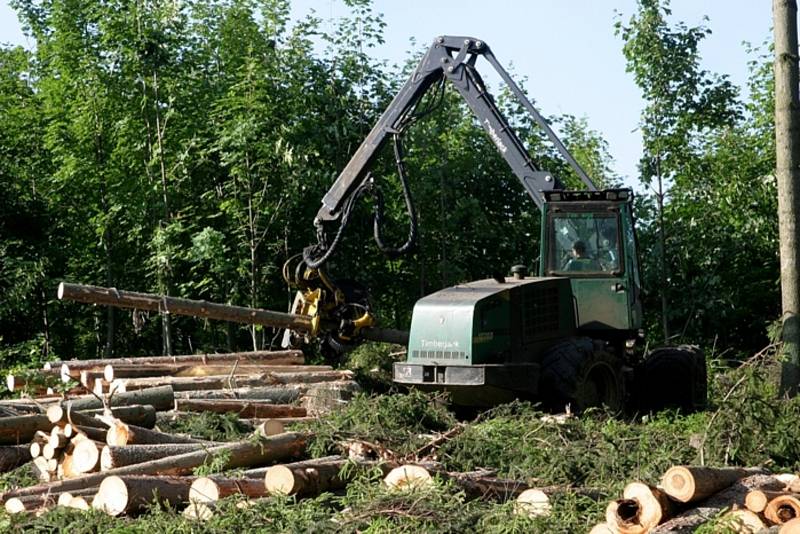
[[585, 244]]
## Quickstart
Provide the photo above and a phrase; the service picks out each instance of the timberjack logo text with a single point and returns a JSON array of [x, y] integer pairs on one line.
[[496, 138]]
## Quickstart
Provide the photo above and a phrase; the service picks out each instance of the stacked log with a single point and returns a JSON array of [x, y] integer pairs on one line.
[[82, 441], [744, 500]]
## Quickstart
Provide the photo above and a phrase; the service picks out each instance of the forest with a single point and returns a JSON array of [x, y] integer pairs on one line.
[[184, 150]]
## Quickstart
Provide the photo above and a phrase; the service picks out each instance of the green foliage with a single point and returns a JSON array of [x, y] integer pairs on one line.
[[397, 421], [207, 425]]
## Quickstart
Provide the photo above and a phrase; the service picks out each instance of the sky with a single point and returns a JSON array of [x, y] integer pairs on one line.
[[565, 50]]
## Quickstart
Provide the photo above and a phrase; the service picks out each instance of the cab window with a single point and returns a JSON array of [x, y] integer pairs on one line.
[[585, 244]]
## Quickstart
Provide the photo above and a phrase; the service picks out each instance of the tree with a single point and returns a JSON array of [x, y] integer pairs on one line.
[[787, 144]]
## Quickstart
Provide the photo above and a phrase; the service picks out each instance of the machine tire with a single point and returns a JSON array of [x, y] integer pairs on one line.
[[672, 377], [582, 374]]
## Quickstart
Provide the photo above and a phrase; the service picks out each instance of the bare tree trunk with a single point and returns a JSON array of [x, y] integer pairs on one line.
[[662, 257], [787, 160]]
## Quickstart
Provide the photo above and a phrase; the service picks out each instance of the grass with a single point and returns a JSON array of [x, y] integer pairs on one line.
[[745, 425]]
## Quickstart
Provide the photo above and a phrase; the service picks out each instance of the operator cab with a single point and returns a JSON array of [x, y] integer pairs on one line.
[[588, 236]]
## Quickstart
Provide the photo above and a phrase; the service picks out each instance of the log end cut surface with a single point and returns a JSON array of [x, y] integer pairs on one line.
[[204, 490], [114, 492]]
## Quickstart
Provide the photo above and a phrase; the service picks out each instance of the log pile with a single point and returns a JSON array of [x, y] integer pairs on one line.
[[100, 435], [739, 500]]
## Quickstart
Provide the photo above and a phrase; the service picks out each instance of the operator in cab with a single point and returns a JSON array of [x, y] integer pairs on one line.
[[580, 260]]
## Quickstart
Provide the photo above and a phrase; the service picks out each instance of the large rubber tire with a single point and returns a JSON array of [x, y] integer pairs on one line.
[[582, 374], [672, 378]]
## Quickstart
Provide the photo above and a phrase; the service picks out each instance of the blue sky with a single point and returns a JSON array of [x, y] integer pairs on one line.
[[566, 49]]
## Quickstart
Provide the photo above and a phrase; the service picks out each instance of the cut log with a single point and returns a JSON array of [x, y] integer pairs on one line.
[[694, 483], [532, 502], [161, 398], [244, 408], [791, 527], [79, 503], [261, 472], [742, 522], [140, 415], [41, 469], [279, 357], [305, 480], [704, 511], [31, 503], [602, 528], [57, 438], [249, 453], [782, 509], [86, 456], [641, 509], [96, 434], [310, 377], [113, 457], [240, 369], [13, 456], [212, 489], [21, 428], [270, 427], [203, 511], [408, 476], [282, 394], [756, 500], [190, 383], [121, 434], [129, 494], [49, 451]]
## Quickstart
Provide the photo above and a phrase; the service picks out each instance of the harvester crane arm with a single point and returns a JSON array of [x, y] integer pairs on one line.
[[449, 58]]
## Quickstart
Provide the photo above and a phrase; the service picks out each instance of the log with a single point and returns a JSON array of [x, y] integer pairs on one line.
[[13, 456], [203, 511], [129, 494], [243, 408], [791, 527], [408, 476], [181, 306], [57, 438], [238, 370], [31, 503], [782, 509], [240, 454], [602, 528], [281, 357], [694, 483], [21, 428], [212, 489], [311, 377], [113, 457], [743, 522], [532, 502], [96, 434], [756, 500], [161, 398], [270, 427], [86, 456], [305, 480], [121, 434], [704, 511], [261, 472], [42, 469], [277, 394], [79, 503], [136, 414], [190, 383], [641, 509]]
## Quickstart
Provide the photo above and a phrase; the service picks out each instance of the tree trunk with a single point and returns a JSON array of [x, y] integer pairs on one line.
[[266, 357], [113, 457], [258, 377], [240, 454], [121, 434], [787, 160], [311, 377], [86, 456], [694, 483], [242, 408], [212, 489], [641, 509], [130, 494]]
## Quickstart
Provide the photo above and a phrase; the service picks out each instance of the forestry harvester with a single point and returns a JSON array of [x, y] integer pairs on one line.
[[568, 335]]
